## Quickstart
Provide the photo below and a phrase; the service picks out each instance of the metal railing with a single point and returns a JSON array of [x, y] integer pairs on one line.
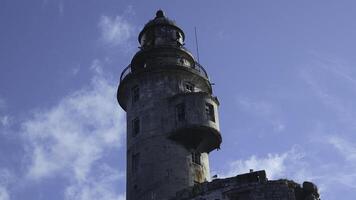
[[201, 70], [125, 72], [196, 67]]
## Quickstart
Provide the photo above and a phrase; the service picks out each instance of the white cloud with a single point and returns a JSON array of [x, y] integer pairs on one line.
[[333, 84], [4, 120], [273, 164], [72, 138], [326, 98], [96, 188], [289, 164], [4, 195], [264, 110], [346, 173], [336, 67], [2, 103], [5, 178], [345, 148], [74, 71], [97, 67], [115, 30]]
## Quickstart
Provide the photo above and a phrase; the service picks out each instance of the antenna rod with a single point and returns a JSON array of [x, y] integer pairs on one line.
[[196, 42]]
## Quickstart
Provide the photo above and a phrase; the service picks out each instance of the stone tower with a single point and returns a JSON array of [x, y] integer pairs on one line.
[[172, 116]]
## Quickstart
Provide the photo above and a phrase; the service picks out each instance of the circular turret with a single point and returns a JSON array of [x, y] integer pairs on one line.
[[161, 31], [172, 115]]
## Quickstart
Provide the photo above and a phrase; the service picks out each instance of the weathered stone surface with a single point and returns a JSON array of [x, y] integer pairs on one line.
[[250, 186], [167, 150], [173, 125]]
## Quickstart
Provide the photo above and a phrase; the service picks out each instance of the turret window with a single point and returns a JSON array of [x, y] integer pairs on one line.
[[135, 126], [179, 38], [135, 93], [196, 158], [180, 111], [189, 87], [209, 109], [165, 35], [147, 38], [135, 162]]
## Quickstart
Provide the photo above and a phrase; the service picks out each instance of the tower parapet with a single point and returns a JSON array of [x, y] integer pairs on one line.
[[250, 186]]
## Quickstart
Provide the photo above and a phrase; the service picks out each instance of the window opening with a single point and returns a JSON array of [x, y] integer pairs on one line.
[[135, 94], [196, 158], [135, 126], [189, 87], [180, 110], [210, 112], [135, 162]]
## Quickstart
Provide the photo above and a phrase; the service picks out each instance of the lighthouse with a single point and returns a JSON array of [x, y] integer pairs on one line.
[[172, 114]]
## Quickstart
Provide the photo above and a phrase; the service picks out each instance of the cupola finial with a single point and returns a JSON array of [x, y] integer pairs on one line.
[[159, 13]]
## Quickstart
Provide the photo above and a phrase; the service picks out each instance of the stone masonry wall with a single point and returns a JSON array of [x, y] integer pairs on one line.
[[251, 186]]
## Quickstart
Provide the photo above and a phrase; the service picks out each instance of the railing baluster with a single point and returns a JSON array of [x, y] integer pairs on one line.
[[197, 67]]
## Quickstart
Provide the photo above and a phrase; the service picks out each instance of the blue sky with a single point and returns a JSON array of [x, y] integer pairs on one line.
[[284, 73]]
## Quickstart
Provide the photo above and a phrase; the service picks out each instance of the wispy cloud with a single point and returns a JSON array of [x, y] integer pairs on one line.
[[4, 118], [97, 66], [4, 195], [5, 178], [330, 100], [98, 187], [332, 82], [73, 138], [58, 5], [2, 103], [335, 66], [278, 165], [257, 107], [332, 145], [75, 70], [61, 8], [262, 109], [346, 148], [273, 164], [73, 141], [115, 30], [333, 175]]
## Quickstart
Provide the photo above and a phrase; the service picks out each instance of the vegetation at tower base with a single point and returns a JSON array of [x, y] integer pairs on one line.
[[250, 186]]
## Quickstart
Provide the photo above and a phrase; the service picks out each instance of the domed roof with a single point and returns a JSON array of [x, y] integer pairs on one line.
[[159, 20]]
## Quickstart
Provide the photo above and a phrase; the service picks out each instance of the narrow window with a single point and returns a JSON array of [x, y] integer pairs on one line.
[[189, 87], [210, 112], [135, 126], [135, 93], [180, 110], [196, 158], [135, 162]]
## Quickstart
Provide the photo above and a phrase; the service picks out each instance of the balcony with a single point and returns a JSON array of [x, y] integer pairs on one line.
[[196, 67], [194, 121]]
